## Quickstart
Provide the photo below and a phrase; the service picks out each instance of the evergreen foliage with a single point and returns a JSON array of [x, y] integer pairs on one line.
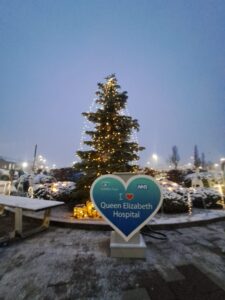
[[197, 160], [111, 149], [176, 176], [175, 158]]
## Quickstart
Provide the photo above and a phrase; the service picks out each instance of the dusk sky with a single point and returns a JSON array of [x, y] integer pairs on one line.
[[168, 55]]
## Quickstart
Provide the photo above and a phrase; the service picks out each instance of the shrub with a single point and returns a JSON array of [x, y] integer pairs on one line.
[[76, 197], [175, 201], [176, 176], [205, 198]]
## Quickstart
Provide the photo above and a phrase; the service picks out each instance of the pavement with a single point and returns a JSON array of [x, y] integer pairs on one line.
[[71, 263]]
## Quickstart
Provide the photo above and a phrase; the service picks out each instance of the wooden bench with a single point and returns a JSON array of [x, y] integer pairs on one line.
[[22, 203]]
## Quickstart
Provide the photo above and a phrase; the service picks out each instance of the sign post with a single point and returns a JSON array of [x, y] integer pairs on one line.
[[127, 205]]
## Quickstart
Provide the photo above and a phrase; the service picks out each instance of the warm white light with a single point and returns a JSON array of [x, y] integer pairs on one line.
[[24, 164], [54, 189], [155, 156]]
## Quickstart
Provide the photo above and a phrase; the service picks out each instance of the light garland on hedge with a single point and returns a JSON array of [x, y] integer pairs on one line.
[[189, 201]]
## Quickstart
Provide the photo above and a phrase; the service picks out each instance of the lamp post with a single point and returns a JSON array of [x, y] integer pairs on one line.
[[34, 160]]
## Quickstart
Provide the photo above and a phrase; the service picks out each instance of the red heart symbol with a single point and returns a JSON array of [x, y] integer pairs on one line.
[[129, 196]]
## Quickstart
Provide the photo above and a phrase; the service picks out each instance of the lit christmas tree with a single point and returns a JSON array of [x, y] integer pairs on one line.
[[111, 148]]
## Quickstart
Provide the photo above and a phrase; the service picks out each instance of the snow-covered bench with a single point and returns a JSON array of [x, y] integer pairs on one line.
[[22, 203]]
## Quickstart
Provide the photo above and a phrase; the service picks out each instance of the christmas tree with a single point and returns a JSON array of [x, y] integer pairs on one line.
[[110, 146]]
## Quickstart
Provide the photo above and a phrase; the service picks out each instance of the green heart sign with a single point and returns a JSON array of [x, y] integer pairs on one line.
[[127, 207]]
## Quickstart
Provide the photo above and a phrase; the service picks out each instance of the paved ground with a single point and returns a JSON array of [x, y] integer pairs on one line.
[[69, 263]]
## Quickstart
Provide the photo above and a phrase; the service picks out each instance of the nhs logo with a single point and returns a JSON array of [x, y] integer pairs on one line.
[[142, 187]]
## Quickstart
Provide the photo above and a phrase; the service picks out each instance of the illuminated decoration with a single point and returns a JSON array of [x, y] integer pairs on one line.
[[54, 188], [82, 211], [41, 163], [219, 188], [189, 204], [87, 126], [134, 136], [107, 143]]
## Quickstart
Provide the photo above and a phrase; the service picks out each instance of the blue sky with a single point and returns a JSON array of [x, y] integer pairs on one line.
[[168, 55]]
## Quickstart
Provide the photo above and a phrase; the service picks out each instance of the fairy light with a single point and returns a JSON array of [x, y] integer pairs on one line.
[[87, 126], [134, 136], [84, 211], [104, 131], [189, 204]]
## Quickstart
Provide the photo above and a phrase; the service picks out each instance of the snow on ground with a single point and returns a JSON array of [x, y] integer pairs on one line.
[[67, 263]]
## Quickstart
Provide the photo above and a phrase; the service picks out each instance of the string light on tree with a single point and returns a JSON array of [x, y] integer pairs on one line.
[[86, 127], [108, 143]]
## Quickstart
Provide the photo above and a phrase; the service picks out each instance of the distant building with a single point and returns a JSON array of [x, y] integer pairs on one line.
[[7, 164]]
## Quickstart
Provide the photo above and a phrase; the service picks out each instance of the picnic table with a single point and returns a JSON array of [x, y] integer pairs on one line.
[[23, 203]]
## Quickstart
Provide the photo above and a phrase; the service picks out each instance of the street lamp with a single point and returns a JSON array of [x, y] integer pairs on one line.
[[24, 165], [155, 157]]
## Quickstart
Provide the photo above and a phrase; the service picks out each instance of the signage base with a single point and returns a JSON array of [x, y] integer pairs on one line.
[[134, 248]]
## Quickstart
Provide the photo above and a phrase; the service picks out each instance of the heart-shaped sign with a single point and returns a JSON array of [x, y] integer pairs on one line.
[[127, 207]]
